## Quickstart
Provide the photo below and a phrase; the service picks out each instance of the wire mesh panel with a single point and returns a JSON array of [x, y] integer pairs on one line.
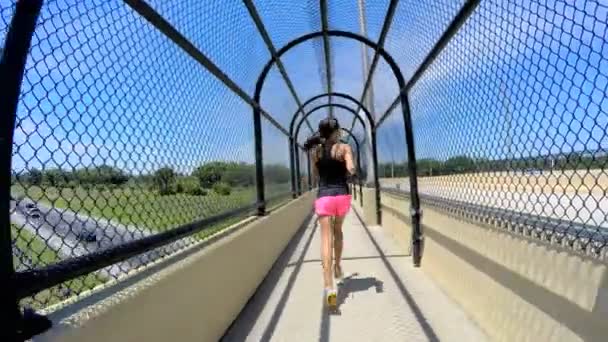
[[303, 166], [348, 68], [7, 9], [116, 139], [424, 20], [384, 88], [208, 24], [392, 153], [304, 17], [276, 98], [306, 71], [523, 124], [277, 174], [348, 15]]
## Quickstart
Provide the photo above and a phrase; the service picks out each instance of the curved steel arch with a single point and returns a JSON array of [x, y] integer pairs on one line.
[[373, 144], [407, 121], [336, 94], [404, 107], [357, 146], [296, 132], [332, 33], [295, 164]]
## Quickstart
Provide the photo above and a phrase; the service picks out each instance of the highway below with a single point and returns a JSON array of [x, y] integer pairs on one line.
[[64, 231]]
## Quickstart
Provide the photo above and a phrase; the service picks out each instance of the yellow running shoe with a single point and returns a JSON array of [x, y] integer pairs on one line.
[[331, 298]]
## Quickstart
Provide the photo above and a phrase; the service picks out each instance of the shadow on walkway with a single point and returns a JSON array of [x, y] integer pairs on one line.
[[424, 324], [252, 311]]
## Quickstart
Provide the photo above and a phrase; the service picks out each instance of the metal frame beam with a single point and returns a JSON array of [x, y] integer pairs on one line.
[[326, 49], [388, 20], [401, 83], [336, 94], [465, 12], [403, 98], [327, 105], [373, 144], [253, 13], [358, 147], [161, 24], [17, 327]]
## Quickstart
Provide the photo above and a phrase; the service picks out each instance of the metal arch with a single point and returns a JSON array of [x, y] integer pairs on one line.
[[373, 144], [13, 58], [326, 105], [294, 158], [336, 94], [409, 137], [292, 137], [333, 33]]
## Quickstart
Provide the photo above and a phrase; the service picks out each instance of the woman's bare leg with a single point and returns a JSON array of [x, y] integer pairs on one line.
[[338, 242], [326, 248]]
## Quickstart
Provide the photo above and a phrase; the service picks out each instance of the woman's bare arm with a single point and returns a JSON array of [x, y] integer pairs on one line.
[[348, 159]]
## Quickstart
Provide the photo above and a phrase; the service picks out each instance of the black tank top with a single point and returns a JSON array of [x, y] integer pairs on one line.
[[332, 174]]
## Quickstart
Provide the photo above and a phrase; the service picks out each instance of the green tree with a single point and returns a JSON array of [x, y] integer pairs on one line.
[[242, 175], [164, 179], [54, 177], [210, 173], [222, 189], [459, 164], [105, 174], [33, 177], [278, 174], [429, 167]]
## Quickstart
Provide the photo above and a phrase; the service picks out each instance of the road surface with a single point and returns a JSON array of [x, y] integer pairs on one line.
[[60, 229], [586, 208]]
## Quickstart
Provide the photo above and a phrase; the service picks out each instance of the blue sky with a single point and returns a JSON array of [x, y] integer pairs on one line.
[[103, 86]]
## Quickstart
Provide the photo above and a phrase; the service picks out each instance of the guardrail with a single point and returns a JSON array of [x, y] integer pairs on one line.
[[590, 239]]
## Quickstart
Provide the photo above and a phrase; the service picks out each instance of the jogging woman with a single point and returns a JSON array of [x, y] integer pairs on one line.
[[332, 165]]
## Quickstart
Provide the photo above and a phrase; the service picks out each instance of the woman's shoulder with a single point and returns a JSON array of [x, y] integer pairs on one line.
[[343, 146]]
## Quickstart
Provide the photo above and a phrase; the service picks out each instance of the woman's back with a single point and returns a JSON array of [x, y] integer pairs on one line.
[[332, 171]]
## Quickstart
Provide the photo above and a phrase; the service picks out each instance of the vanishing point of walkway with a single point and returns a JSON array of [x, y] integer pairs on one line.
[[384, 298]]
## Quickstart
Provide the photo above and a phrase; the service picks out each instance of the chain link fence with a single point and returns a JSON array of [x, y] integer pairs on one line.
[[121, 135], [511, 119]]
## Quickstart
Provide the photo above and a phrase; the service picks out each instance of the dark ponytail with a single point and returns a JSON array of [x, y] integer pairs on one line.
[[327, 127], [313, 141]]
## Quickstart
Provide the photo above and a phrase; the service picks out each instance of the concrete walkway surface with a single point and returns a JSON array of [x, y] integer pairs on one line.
[[383, 298]]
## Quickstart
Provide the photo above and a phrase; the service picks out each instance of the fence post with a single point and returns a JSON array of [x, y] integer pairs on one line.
[[360, 192], [12, 68], [292, 167], [415, 211], [309, 171], [298, 173], [376, 176], [259, 161]]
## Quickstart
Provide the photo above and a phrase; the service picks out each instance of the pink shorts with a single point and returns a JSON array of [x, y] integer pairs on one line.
[[332, 205]]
